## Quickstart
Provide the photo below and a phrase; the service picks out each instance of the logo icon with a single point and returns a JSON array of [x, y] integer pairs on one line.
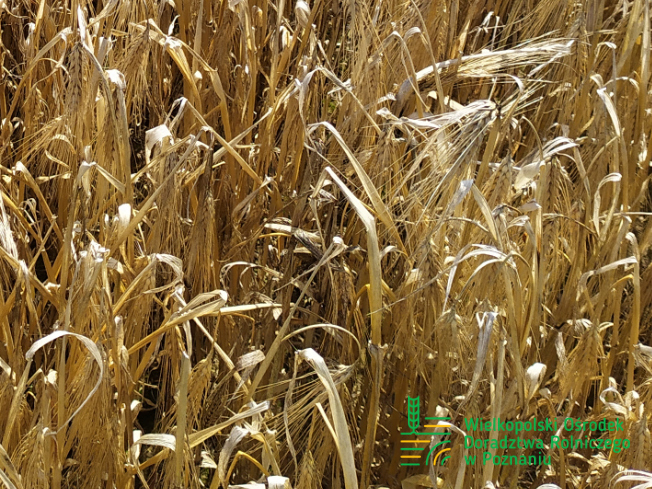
[[412, 448]]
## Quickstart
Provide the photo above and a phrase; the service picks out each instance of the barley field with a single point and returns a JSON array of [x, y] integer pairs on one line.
[[256, 243]]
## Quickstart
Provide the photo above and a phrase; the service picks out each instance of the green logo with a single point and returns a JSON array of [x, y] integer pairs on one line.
[[412, 449]]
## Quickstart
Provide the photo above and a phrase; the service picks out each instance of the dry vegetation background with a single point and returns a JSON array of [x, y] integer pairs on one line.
[[235, 236]]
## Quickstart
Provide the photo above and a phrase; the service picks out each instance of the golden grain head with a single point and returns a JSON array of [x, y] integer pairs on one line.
[[249, 244]]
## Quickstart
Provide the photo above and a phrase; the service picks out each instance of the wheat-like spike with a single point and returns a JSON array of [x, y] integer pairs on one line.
[[413, 413]]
